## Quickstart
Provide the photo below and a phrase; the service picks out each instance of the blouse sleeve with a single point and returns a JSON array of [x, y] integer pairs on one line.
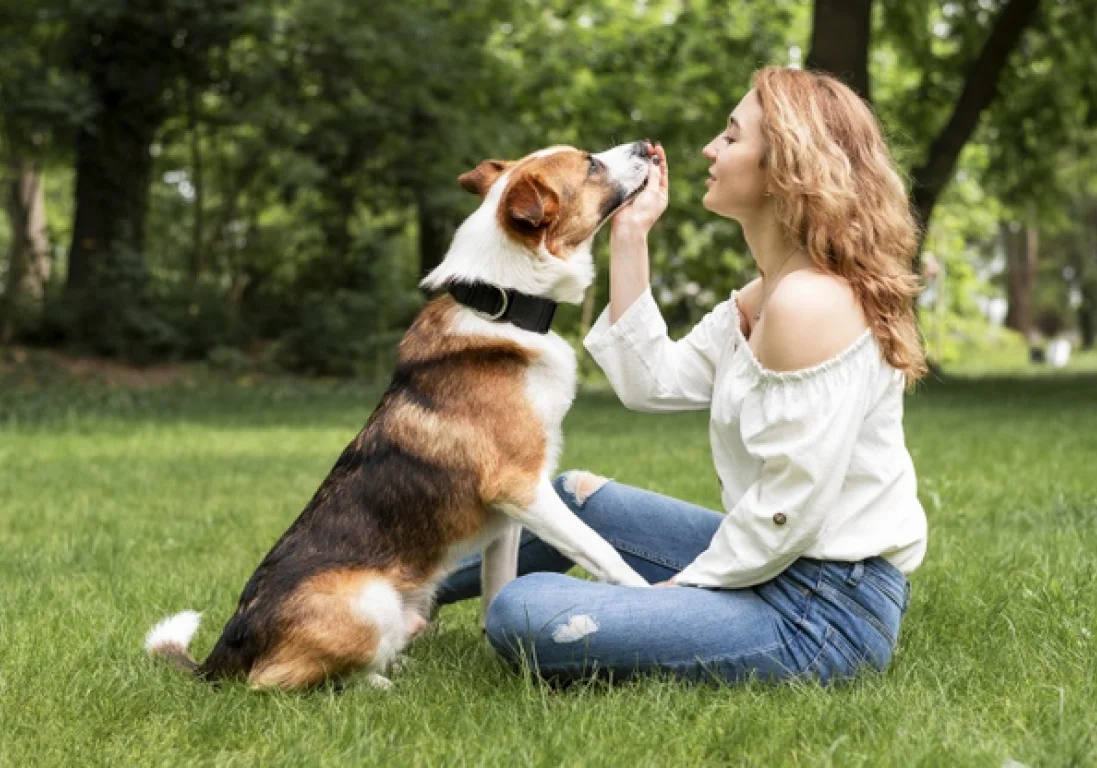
[[647, 370], [803, 430]]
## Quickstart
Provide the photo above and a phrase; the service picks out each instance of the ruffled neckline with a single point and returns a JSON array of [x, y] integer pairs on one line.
[[865, 341]]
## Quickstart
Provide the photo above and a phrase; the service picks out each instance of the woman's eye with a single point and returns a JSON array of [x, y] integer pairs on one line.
[[728, 139]]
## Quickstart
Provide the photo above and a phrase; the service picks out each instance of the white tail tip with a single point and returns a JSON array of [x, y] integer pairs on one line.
[[174, 630]]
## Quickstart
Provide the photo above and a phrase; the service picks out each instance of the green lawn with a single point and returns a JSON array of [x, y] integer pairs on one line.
[[118, 507]]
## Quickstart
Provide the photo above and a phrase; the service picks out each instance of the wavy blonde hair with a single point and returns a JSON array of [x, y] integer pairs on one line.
[[838, 191]]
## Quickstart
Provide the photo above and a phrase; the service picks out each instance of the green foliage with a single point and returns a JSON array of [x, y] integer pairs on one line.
[[284, 135], [342, 333], [143, 320]]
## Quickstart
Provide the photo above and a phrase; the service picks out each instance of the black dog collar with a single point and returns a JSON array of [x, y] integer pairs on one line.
[[532, 313]]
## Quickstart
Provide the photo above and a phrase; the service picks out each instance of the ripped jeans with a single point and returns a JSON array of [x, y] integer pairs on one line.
[[818, 619]]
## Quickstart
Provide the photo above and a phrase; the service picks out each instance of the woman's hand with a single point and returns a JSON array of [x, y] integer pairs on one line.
[[667, 583], [640, 215]]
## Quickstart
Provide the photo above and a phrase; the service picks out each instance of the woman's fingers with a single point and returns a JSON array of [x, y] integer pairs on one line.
[[656, 175], [664, 178]]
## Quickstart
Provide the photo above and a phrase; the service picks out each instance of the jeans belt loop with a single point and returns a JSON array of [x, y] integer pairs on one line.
[[855, 574]]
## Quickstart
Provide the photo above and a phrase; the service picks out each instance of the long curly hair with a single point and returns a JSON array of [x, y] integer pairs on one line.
[[839, 193]]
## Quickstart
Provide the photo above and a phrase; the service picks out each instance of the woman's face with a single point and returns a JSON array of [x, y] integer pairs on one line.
[[737, 180]]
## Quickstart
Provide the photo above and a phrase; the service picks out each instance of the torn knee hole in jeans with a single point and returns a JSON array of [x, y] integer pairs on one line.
[[575, 630], [581, 484]]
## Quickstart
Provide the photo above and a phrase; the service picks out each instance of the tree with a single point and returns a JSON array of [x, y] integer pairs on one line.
[[841, 40], [39, 104], [132, 55]]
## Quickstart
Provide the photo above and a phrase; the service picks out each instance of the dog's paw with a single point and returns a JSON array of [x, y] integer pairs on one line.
[[629, 579], [378, 681], [402, 662]]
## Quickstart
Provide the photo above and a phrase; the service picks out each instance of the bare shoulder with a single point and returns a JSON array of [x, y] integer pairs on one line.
[[810, 317]]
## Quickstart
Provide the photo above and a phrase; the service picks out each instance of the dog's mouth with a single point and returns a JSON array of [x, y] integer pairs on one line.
[[625, 200], [636, 192]]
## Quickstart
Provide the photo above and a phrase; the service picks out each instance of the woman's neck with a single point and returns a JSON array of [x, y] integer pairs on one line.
[[772, 249]]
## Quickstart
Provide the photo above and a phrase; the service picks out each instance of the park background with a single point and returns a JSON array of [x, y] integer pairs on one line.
[[216, 213]]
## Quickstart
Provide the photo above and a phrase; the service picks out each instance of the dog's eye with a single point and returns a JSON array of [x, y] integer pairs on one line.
[[594, 166]]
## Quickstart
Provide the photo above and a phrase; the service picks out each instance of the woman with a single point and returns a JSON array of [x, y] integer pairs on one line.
[[803, 372]]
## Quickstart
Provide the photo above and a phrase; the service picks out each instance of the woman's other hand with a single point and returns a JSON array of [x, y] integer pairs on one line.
[[640, 215]]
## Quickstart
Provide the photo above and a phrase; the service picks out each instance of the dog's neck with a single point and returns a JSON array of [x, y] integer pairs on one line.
[[482, 252]]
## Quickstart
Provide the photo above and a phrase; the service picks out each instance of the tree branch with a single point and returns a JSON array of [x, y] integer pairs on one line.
[[980, 88]]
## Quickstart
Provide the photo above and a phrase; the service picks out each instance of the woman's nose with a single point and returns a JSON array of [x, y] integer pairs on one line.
[[709, 152]]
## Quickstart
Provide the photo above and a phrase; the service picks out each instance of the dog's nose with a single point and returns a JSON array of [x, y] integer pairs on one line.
[[640, 148]]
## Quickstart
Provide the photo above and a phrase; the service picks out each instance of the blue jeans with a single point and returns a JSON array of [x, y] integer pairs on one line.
[[818, 619]]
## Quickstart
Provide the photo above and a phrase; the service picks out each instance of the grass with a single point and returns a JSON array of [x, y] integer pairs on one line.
[[119, 506]]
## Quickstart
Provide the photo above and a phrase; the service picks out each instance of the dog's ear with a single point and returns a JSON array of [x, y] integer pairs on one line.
[[479, 180], [531, 203]]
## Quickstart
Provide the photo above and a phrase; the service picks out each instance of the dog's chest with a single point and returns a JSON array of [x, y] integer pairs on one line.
[[550, 387]]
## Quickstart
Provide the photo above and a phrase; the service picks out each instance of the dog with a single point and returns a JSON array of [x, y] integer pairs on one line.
[[459, 454]]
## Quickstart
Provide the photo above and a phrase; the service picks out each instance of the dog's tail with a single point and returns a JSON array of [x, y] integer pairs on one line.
[[171, 637]]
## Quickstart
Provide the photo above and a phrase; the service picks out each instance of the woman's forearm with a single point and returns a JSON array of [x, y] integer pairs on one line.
[[629, 273]]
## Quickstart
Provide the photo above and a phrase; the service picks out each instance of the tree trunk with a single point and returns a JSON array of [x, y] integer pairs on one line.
[[29, 257], [1087, 315], [1087, 274], [979, 90], [198, 252], [113, 173], [435, 232], [841, 31], [1020, 247]]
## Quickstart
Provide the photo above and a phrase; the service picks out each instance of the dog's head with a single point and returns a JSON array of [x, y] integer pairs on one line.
[[534, 228], [557, 198]]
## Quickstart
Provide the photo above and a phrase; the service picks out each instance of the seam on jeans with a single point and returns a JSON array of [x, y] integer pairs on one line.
[[843, 646], [883, 579], [811, 669], [886, 591], [860, 610], [882, 585], [709, 665], [651, 557], [737, 657]]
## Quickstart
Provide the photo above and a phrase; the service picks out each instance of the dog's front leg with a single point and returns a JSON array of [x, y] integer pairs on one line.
[[499, 565], [550, 519]]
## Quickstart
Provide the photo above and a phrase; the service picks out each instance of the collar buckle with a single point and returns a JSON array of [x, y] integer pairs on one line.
[[506, 302]]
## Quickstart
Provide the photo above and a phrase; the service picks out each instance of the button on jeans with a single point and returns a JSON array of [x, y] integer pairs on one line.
[[822, 620]]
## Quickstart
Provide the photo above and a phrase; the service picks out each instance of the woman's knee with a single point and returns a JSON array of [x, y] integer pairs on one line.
[[512, 620], [536, 620], [576, 486]]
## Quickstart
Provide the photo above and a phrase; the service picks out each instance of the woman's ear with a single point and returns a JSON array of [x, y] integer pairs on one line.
[[479, 179]]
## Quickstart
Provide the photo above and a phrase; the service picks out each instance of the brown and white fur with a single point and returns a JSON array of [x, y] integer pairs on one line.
[[456, 458]]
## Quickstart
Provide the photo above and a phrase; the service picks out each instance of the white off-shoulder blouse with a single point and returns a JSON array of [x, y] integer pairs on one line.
[[812, 463]]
